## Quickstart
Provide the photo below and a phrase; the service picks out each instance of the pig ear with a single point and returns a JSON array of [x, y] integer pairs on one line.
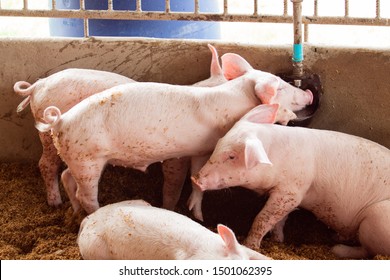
[[234, 66], [255, 153], [265, 113], [215, 68], [228, 237], [266, 89]]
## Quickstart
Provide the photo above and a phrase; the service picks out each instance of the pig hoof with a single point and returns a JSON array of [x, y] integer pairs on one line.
[[344, 251], [196, 208], [198, 214], [54, 200]]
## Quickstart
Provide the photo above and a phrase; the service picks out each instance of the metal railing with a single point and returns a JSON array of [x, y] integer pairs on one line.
[[197, 15]]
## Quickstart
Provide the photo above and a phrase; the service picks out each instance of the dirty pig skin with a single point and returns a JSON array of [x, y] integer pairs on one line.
[[135, 230], [63, 89], [342, 179]]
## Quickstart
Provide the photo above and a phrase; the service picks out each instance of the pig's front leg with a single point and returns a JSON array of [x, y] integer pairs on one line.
[[279, 204], [49, 166], [175, 172], [196, 197]]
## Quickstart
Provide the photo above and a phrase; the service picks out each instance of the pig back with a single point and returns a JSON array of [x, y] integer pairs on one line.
[[135, 231], [66, 88]]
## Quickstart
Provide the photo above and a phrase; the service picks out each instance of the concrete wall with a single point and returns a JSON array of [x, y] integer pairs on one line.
[[356, 82]]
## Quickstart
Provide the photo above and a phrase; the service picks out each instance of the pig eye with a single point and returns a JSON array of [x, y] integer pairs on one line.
[[231, 156]]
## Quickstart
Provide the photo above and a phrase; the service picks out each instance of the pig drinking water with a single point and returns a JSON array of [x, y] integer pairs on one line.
[[342, 179], [63, 89], [137, 124], [134, 230]]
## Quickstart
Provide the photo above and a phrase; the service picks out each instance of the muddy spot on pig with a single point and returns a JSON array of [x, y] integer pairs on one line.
[[30, 229]]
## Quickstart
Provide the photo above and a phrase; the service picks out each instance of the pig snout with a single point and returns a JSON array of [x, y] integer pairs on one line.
[[206, 182], [303, 98], [197, 183], [309, 97]]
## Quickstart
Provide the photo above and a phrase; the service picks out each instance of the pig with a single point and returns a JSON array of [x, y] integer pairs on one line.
[[63, 89], [66, 88], [135, 230], [342, 179], [137, 124]]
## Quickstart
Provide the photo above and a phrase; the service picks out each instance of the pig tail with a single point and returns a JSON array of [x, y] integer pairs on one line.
[[51, 116], [23, 88]]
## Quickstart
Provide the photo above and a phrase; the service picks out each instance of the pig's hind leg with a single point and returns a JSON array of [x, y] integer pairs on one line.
[[86, 174], [374, 234], [70, 187], [49, 166]]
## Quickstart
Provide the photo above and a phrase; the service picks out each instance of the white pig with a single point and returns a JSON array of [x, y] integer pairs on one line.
[[63, 89], [135, 230], [137, 124], [342, 179]]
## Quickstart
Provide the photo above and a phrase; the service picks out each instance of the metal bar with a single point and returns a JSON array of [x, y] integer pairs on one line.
[[346, 7], [297, 59], [86, 28], [53, 4], [225, 7], [306, 33], [25, 4], [167, 6], [138, 6], [378, 9], [110, 5], [196, 7], [315, 8], [82, 5], [347, 21], [255, 8], [285, 8], [138, 15]]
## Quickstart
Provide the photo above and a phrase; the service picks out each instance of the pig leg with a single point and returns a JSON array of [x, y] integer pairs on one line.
[[277, 231], [175, 172], [49, 166], [196, 197], [374, 233], [70, 187], [279, 204], [87, 173]]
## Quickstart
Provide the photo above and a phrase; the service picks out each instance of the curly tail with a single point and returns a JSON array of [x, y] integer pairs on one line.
[[51, 116], [23, 88]]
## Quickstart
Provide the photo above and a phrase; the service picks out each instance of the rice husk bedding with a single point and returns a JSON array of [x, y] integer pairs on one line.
[[30, 229]]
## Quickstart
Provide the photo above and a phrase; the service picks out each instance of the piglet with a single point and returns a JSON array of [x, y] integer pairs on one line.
[[342, 179], [63, 89], [135, 230]]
